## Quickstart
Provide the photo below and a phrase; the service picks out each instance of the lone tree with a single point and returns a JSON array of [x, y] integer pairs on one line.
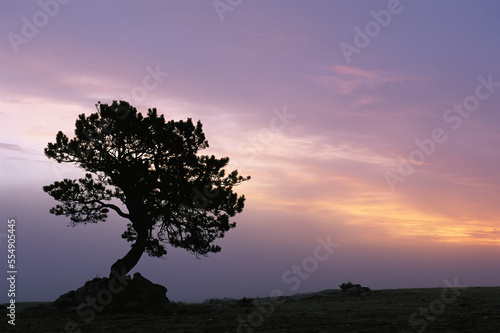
[[169, 193]]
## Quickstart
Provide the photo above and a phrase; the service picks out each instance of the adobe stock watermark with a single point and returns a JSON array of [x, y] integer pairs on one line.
[[454, 117], [200, 200], [138, 94], [31, 27], [420, 320], [363, 38], [88, 308], [150, 81], [266, 135], [92, 135], [292, 277], [223, 6]]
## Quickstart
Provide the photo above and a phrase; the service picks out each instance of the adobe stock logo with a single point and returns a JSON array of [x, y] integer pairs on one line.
[[150, 82], [222, 6], [420, 320], [294, 277], [266, 135], [30, 28], [363, 38], [428, 146]]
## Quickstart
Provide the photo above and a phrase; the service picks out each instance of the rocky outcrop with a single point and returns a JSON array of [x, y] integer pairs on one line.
[[350, 288], [356, 289], [112, 293]]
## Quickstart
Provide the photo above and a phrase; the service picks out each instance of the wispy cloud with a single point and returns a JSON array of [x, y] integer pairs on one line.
[[16, 152], [469, 181], [367, 74], [11, 146], [346, 79]]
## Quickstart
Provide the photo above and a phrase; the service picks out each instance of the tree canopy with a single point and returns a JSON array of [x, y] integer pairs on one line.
[[148, 171]]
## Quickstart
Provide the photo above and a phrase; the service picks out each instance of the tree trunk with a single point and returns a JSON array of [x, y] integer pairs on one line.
[[124, 265]]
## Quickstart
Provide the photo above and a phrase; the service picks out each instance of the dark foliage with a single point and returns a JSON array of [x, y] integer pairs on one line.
[[149, 172]]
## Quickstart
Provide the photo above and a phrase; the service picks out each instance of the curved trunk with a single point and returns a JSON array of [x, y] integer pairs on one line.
[[124, 265]]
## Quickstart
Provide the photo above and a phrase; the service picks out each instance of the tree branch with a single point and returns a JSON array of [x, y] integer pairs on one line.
[[113, 207]]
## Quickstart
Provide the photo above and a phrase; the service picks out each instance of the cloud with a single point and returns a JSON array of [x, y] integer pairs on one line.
[[13, 147], [374, 75], [470, 181], [347, 79], [340, 182]]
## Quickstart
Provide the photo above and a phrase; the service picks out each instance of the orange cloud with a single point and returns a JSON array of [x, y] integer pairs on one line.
[[364, 208]]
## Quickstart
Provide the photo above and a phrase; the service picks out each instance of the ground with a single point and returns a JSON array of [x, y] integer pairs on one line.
[[472, 309]]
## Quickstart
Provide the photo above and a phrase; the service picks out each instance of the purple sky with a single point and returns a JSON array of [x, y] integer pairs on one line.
[[375, 124]]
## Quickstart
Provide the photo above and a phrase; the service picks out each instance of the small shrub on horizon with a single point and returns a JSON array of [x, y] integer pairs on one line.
[[345, 286], [349, 285]]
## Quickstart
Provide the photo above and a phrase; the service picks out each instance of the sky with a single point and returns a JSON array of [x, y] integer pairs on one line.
[[370, 130]]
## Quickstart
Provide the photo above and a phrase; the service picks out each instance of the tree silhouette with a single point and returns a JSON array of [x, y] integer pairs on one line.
[[169, 194]]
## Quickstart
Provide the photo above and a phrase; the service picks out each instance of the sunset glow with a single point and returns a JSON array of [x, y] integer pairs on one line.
[[392, 151]]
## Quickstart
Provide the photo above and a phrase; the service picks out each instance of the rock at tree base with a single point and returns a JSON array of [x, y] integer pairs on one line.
[[130, 292]]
